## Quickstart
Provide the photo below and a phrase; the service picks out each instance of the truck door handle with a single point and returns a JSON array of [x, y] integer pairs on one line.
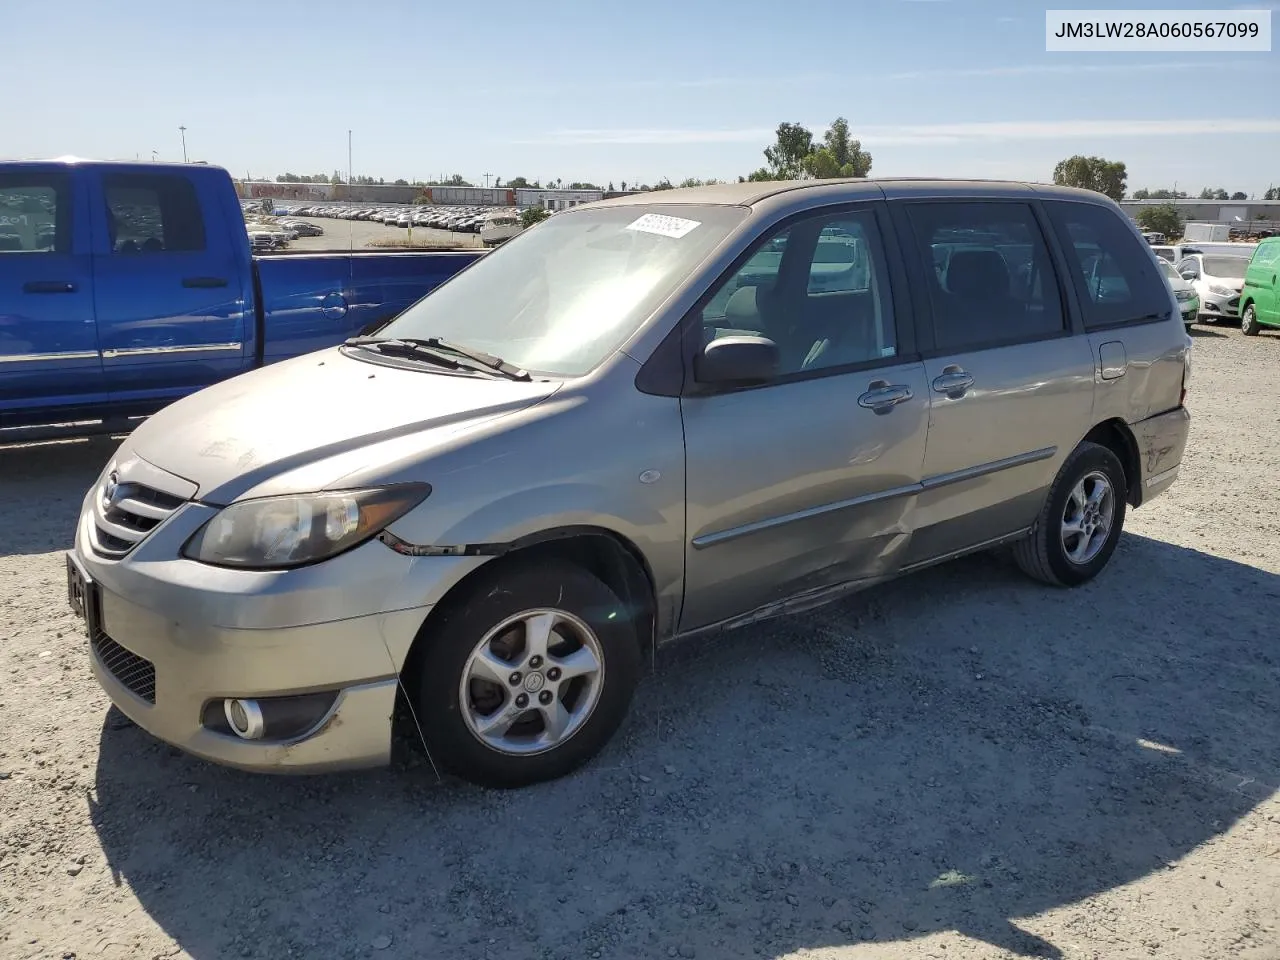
[[882, 396], [203, 282], [49, 286], [954, 382]]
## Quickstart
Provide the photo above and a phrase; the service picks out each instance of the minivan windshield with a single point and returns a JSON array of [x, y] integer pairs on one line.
[[1231, 267], [560, 297], [1168, 270]]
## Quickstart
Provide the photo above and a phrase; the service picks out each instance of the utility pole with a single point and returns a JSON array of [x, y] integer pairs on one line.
[[348, 157], [183, 130], [486, 180]]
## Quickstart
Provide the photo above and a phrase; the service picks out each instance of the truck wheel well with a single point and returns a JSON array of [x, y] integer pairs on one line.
[[1116, 436], [612, 558]]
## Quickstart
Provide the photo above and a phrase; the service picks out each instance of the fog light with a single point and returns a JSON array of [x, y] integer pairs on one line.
[[245, 718]]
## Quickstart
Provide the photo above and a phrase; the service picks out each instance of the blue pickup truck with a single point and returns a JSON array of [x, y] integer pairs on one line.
[[124, 286]]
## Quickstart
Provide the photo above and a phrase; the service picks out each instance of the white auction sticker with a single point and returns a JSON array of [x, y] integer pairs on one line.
[[675, 227]]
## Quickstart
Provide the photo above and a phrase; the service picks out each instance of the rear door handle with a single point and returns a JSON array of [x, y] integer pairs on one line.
[[202, 282], [49, 286], [882, 396], [953, 381]]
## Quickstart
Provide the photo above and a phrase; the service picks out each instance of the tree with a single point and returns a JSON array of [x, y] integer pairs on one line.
[[337, 177], [1161, 219], [457, 181], [1239, 195], [663, 184], [517, 183], [611, 186], [400, 183], [787, 154], [624, 186], [1145, 194], [1092, 173], [531, 215], [1209, 193], [1273, 193], [582, 185], [840, 155]]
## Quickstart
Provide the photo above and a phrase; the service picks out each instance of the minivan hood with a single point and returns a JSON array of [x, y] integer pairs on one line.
[[237, 434]]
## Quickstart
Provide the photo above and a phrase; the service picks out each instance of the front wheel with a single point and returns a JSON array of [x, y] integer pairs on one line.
[[526, 676], [1080, 523], [1249, 324]]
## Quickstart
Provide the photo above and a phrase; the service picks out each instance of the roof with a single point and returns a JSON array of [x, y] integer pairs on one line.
[[753, 193]]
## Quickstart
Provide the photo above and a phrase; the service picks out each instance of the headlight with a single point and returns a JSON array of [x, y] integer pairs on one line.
[[278, 532], [1184, 294], [1222, 291]]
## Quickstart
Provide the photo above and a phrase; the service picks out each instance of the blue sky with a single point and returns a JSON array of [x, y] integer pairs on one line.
[[636, 92]]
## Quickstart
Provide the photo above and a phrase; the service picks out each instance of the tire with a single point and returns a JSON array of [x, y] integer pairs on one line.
[[1249, 324], [1044, 554], [554, 589]]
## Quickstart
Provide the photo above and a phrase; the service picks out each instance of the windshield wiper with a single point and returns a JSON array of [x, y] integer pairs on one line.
[[435, 350]]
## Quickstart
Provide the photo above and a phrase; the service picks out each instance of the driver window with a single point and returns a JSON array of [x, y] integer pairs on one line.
[[818, 288]]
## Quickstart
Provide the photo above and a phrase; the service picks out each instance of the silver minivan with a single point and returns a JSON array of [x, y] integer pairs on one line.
[[643, 418]]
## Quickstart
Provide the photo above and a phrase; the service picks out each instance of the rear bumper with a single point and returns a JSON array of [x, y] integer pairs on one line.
[[1162, 440]]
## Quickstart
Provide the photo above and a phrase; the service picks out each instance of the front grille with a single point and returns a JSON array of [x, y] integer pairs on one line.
[[124, 513], [1233, 303], [135, 672]]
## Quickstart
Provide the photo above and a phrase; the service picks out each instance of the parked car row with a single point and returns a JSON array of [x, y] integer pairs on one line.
[[460, 219]]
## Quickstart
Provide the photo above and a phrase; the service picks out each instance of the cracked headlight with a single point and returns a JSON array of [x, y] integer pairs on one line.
[[274, 533]]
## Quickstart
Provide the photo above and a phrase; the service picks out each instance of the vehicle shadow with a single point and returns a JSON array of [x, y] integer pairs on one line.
[[1203, 331], [44, 484], [955, 751]]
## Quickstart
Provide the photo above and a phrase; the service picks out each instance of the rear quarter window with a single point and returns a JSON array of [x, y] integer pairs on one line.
[[1115, 278]]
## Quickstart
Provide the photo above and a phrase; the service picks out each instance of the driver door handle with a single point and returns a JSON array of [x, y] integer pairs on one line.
[[882, 396], [954, 382]]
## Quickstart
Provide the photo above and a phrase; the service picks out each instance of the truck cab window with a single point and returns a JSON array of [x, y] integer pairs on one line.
[[35, 213], [153, 214]]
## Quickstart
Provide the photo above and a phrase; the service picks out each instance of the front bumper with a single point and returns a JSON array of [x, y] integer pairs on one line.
[[1190, 309], [1218, 305], [342, 628]]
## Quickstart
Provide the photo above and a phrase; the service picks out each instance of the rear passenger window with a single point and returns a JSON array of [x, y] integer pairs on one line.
[[1113, 274], [35, 213], [992, 281], [153, 213]]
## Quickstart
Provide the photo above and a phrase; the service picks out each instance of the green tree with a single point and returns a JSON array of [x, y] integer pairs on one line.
[[1162, 219], [787, 154], [531, 215], [1273, 193], [610, 187], [1239, 195], [401, 183], [1162, 194], [840, 155], [1209, 193], [582, 185], [663, 184], [1092, 173], [518, 183]]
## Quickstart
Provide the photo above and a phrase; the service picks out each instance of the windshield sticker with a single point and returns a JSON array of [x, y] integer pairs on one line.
[[675, 227]]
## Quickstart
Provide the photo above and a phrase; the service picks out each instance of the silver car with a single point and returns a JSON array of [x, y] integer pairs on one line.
[[645, 417]]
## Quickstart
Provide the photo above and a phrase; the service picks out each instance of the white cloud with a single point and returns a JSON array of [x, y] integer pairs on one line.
[[935, 133], [1035, 69]]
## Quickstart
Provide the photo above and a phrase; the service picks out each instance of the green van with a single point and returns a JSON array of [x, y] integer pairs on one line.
[[1260, 300]]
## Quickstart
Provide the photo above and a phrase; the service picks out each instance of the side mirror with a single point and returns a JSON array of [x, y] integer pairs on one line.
[[1189, 276], [738, 360]]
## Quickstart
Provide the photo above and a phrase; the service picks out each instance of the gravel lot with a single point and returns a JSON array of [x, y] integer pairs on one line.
[[962, 763]]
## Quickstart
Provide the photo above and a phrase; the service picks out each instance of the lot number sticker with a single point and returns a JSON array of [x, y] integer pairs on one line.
[[675, 227]]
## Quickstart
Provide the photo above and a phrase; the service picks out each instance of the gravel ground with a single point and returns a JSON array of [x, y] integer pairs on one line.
[[962, 763]]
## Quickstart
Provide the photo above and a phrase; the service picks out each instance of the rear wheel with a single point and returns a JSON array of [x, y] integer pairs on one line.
[[1249, 324], [527, 676], [1080, 523]]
